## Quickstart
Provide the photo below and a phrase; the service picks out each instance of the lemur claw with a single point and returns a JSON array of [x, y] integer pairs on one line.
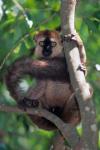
[[82, 68]]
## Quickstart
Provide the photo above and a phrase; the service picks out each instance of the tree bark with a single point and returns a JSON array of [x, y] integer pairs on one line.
[[78, 81]]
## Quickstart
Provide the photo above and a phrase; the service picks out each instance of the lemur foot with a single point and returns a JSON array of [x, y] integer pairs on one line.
[[27, 103], [76, 38]]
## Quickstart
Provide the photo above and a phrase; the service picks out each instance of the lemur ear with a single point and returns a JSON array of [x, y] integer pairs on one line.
[[62, 38], [58, 29], [36, 36]]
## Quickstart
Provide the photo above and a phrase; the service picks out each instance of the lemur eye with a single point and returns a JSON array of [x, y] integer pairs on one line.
[[41, 43], [53, 44]]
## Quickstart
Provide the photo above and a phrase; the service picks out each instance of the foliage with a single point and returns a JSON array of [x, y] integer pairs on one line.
[[19, 21]]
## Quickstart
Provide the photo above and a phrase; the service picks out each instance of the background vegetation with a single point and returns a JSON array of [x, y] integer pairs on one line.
[[19, 21]]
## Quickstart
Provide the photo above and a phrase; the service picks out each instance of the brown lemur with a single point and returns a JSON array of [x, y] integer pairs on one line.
[[53, 90]]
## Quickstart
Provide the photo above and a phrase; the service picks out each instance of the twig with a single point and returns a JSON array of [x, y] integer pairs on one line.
[[78, 81], [9, 53], [18, 5]]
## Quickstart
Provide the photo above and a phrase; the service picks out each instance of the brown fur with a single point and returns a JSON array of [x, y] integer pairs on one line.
[[53, 90], [47, 33]]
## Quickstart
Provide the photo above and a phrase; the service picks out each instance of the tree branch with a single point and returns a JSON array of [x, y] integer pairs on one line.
[[67, 130], [80, 86], [63, 127]]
